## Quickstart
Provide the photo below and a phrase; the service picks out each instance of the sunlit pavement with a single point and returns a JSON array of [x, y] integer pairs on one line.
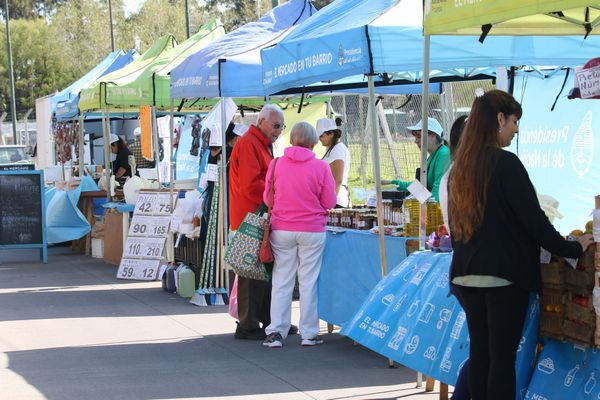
[[71, 330]]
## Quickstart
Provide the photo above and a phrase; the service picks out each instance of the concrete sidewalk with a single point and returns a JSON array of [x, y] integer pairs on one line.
[[71, 330]]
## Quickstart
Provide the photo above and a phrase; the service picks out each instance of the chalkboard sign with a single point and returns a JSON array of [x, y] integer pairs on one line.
[[22, 210]]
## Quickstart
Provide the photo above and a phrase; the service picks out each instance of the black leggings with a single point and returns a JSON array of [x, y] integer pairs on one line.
[[495, 317]]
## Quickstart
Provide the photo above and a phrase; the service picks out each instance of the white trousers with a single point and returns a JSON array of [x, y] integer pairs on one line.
[[301, 253]]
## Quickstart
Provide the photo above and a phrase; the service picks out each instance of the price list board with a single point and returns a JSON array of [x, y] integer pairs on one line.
[[145, 246]]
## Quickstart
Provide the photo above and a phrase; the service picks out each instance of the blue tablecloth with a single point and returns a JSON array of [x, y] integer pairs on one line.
[[565, 371], [351, 268], [120, 207], [410, 317]]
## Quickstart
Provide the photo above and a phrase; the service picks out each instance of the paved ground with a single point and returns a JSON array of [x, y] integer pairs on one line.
[[71, 330]]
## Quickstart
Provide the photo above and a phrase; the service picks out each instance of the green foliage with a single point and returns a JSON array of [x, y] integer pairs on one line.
[[55, 42], [37, 70], [30, 9]]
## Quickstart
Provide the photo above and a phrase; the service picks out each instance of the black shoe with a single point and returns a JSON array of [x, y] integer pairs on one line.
[[273, 340], [293, 330], [255, 334]]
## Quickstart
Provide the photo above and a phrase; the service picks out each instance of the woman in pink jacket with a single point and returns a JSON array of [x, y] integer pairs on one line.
[[304, 190]]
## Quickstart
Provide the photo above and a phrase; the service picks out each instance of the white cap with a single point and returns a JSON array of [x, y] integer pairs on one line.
[[432, 125], [240, 129], [324, 125], [137, 131], [113, 138]]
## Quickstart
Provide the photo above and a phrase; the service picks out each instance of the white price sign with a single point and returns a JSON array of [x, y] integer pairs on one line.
[[144, 270], [144, 225], [142, 247], [163, 204], [154, 203], [146, 203]]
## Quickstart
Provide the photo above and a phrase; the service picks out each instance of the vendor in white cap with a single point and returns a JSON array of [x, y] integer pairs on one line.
[[438, 160], [121, 168], [337, 156]]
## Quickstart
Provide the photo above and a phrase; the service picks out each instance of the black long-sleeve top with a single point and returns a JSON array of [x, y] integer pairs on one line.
[[507, 243]]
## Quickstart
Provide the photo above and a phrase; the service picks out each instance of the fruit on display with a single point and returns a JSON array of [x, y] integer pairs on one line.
[[576, 232]]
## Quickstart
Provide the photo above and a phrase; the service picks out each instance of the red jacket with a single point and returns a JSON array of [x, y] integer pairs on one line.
[[248, 166]]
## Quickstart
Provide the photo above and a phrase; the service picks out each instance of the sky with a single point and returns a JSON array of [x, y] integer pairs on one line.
[[132, 6]]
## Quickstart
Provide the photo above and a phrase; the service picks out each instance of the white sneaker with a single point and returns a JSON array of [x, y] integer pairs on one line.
[[313, 341]]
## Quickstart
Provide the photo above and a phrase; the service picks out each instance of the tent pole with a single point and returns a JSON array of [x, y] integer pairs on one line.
[[223, 188], [424, 138], [80, 155], [106, 135], [172, 164], [377, 175], [171, 241]]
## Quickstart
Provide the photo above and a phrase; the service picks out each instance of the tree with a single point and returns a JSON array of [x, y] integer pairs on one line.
[[82, 28], [37, 70], [31, 9]]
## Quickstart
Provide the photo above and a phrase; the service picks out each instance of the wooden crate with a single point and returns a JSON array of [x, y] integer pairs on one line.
[[579, 333], [580, 281], [597, 259], [587, 260], [578, 313], [551, 325], [411, 246], [553, 274]]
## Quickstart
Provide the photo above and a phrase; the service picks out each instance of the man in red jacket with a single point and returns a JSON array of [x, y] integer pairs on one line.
[[248, 167]]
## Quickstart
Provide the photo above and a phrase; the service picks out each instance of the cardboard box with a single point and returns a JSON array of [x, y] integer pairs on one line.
[[597, 260], [597, 201], [113, 237]]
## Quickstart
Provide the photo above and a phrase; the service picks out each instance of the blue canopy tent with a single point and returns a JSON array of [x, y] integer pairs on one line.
[[231, 66], [385, 38], [65, 103]]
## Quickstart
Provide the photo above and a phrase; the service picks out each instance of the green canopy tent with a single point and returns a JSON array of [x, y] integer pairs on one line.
[[151, 85], [512, 17], [96, 96], [502, 17]]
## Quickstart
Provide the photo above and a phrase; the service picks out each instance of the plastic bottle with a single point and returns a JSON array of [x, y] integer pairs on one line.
[[186, 280]]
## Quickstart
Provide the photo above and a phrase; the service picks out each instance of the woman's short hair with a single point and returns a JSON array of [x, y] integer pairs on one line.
[[456, 131], [304, 134]]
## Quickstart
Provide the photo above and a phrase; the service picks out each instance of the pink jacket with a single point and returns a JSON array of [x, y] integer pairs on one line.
[[303, 192]]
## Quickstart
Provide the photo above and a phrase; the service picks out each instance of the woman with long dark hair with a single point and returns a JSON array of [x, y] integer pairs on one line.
[[497, 230], [337, 156]]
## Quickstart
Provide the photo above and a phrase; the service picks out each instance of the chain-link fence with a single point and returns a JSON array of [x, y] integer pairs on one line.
[[399, 155]]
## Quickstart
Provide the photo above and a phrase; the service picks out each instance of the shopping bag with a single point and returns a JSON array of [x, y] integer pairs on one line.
[[243, 251], [233, 306], [266, 253]]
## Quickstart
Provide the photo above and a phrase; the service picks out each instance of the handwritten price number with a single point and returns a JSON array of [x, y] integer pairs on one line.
[[153, 251], [135, 249], [164, 208], [139, 228], [160, 230], [146, 273]]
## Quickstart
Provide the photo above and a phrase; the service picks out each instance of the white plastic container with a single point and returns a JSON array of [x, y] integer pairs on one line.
[[97, 248]]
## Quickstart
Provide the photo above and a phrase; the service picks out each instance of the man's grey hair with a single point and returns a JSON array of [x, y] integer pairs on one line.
[[267, 110], [304, 134]]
